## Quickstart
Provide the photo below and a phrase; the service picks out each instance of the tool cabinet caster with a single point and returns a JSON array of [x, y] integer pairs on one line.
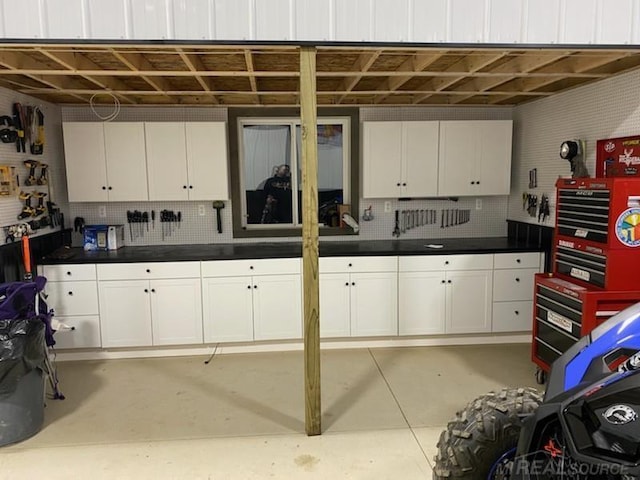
[[541, 376]]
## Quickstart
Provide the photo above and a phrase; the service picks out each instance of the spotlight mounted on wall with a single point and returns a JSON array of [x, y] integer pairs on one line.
[[573, 151]]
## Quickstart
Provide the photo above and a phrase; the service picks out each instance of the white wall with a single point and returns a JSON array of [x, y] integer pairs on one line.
[[606, 109], [53, 155], [422, 21]]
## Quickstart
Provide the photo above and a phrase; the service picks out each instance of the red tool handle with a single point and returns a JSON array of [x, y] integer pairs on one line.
[[26, 257]]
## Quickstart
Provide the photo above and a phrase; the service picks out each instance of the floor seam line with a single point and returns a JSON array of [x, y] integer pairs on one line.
[[395, 399]]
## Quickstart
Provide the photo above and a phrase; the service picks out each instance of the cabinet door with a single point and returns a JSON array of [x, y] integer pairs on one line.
[[421, 303], [494, 163], [457, 158], [73, 298], [227, 308], [420, 159], [381, 159], [374, 304], [85, 161], [277, 307], [166, 161], [86, 332], [125, 313], [207, 169], [176, 311], [335, 290], [512, 316], [469, 301], [126, 161]]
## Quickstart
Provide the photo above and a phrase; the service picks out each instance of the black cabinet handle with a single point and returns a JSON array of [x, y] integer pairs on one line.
[[153, 290], [250, 267], [104, 188], [190, 186], [448, 281], [478, 182], [68, 273], [517, 260], [517, 279], [473, 183], [71, 293], [347, 284], [353, 283], [443, 281], [398, 184], [446, 262], [255, 286], [249, 287], [350, 265], [184, 186], [110, 188], [517, 312], [148, 271], [146, 290]]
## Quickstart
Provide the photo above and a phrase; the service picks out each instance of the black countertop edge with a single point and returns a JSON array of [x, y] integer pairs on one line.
[[235, 251]]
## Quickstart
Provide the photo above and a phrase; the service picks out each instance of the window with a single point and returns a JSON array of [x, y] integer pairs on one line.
[[269, 173]]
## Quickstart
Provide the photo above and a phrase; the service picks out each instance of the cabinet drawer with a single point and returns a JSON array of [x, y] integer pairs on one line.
[[141, 271], [425, 263], [517, 260], [358, 264], [72, 298], [510, 285], [269, 266], [85, 335], [62, 273], [512, 316]]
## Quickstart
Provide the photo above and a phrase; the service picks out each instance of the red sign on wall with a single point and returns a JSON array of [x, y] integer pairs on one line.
[[618, 157]]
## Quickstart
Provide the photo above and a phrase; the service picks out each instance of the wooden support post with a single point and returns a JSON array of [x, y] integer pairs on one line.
[[310, 280]]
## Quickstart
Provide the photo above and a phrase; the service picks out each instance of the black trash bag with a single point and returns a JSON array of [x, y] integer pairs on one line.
[[22, 349]]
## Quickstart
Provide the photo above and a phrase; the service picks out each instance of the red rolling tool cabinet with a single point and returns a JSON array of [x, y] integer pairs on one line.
[[596, 263]]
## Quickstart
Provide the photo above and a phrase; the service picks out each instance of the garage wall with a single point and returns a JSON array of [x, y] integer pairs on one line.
[[433, 21], [10, 207], [605, 109], [490, 221]]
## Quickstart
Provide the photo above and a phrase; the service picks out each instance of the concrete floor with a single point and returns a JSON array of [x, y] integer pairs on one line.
[[242, 416]]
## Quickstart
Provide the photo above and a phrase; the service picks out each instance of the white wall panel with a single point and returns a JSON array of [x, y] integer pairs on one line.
[[542, 21], [109, 20], [274, 20], [65, 19], [150, 19], [22, 19], [391, 20], [353, 20], [314, 19], [505, 21], [428, 21], [466, 21], [615, 22], [234, 20], [635, 23], [578, 21], [193, 19]]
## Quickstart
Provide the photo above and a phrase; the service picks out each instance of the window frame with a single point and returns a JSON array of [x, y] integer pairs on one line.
[[351, 144]]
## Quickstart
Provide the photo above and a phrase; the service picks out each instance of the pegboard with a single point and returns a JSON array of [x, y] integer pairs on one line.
[[53, 156], [490, 221], [605, 109]]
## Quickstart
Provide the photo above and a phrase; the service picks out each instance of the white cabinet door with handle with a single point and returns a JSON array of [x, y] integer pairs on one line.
[[85, 163], [227, 309], [420, 159], [207, 164], [125, 313], [469, 301], [421, 299], [335, 313], [126, 161], [382, 157], [277, 307], [176, 311], [166, 161], [374, 304]]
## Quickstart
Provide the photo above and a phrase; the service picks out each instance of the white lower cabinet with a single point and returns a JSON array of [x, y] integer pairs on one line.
[[452, 295], [358, 296], [85, 333], [247, 300], [176, 311], [468, 307], [125, 311]]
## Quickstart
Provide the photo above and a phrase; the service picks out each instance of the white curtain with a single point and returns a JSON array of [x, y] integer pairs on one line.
[[265, 147]]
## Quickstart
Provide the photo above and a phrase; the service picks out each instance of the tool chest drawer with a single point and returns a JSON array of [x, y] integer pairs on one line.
[[358, 264], [141, 271], [517, 260], [268, 266], [512, 285], [425, 263], [72, 298], [62, 273], [512, 316]]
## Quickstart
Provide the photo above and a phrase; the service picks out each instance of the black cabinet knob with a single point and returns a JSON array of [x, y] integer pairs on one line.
[[446, 262], [351, 265], [443, 281], [478, 182], [473, 183], [517, 312], [404, 184], [353, 283], [104, 188], [250, 267], [398, 184], [71, 293], [517, 260], [255, 286], [184, 186], [448, 281], [153, 290], [148, 271], [347, 284], [146, 290], [249, 287], [68, 273], [190, 186], [110, 188], [517, 279]]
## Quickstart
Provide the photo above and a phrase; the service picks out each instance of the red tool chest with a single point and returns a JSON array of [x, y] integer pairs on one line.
[[596, 263], [564, 312]]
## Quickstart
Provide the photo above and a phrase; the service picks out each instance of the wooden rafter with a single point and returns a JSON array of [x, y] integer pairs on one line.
[[194, 64], [414, 64], [248, 59], [137, 63], [363, 64]]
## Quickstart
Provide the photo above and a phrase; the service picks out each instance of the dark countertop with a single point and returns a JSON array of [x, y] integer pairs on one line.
[[230, 251]]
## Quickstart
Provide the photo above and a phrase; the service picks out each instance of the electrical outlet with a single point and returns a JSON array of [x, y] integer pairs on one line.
[[478, 204], [201, 210], [102, 211], [387, 207]]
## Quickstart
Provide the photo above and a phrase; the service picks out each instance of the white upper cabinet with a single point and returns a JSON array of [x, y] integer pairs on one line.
[[105, 161], [187, 161], [475, 157], [400, 159]]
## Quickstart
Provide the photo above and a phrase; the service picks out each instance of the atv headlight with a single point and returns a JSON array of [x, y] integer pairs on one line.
[[569, 149]]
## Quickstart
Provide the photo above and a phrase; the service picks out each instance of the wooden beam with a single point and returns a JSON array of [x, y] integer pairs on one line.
[[363, 64], [136, 62], [310, 279], [77, 61], [248, 58], [416, 63], [194, 64]]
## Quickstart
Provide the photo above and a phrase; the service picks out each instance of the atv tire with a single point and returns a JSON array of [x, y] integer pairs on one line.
[[482, 433]]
